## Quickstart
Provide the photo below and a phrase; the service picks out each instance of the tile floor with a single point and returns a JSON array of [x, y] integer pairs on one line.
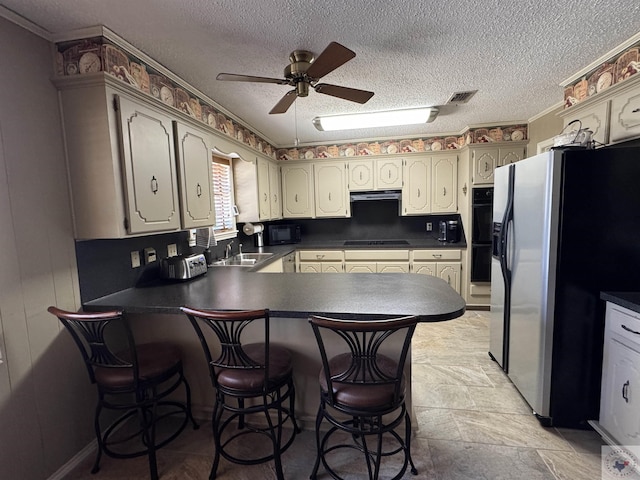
[[471, 424]]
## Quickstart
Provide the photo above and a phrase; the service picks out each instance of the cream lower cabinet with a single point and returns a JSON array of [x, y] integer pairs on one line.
[[298, 192], [331, 192], [620, 388], [376, 261], [444, 263], [320, 261]]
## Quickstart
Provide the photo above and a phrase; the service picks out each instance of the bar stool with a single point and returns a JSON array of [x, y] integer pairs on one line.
[[362, 391], [135, 381], [252, 383]]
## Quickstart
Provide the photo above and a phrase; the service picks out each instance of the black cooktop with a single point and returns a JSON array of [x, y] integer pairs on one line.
[[358, 243]]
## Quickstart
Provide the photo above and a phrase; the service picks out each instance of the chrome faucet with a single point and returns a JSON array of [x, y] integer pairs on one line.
[[227, 252]]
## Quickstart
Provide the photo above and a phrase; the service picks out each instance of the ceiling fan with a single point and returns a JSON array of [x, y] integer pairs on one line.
[[304, 71]]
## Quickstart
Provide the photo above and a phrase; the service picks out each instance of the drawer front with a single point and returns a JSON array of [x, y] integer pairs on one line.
[[320, 255], [379, 255], [437, 255], [624, 323], [625, 115]]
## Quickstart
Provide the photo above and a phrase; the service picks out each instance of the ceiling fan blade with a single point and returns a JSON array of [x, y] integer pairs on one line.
[[232, 77], [352, 94], [331, 58], [285, 102]]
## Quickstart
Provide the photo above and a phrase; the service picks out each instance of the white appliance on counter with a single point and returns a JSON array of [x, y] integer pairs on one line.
[[566, 226]]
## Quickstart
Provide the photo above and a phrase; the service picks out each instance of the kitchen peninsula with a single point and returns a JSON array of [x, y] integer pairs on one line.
[[291, 297]]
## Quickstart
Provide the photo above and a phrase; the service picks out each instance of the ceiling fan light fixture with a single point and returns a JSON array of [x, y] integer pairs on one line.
[[389, 118]]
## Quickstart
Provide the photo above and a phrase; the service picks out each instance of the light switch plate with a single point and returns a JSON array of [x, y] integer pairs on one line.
[[149, 255]]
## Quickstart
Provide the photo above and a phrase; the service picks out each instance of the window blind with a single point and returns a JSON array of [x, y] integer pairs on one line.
[[223, 196]]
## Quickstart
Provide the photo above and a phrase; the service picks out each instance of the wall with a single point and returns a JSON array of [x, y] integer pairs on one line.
[[544, 128], [46, 401]]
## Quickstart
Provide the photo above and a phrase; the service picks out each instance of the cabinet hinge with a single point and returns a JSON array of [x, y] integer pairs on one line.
[[126, 224], [116, 104]]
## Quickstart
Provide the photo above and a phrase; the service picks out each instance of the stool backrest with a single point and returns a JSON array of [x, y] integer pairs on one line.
[[89, 331], [378, 351], [229, 329]]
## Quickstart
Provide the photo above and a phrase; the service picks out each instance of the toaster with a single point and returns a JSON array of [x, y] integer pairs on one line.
[[183, 267]]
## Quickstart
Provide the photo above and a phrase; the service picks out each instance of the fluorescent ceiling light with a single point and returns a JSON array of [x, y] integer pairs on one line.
[[390, 118]]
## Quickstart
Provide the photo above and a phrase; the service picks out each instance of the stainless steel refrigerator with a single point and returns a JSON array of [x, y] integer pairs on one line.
[[566, 226]]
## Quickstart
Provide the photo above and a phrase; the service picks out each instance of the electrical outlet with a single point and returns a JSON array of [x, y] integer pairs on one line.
[[149, 255], [429, 226], [172, 250], [135, 259]]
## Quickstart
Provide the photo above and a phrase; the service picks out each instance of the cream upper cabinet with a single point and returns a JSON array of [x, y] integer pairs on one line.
[[388, 174], [625, 115], [331, 193], [257, 189], [485, 160], [275, 190], [298, 191], [361, 175], [595, 117], [416, 192], [151, 188], [444, 171], [193, 148]]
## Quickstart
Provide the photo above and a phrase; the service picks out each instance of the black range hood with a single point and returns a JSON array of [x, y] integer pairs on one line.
[[377, 195]]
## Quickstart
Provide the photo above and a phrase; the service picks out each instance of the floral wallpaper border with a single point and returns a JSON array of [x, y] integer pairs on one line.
[[96, 54], [615, 70]]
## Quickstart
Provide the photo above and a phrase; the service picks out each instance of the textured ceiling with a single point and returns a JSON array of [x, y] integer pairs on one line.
[[410, 53]]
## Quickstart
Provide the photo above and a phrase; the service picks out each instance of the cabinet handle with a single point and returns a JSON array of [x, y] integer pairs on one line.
[[154, 185], [636, 110], [449, 280], [319, 257], [296, 198], [329, 196], [624, 327], [275, 198], [389, 174], [418, 193], [437, 255], [444, 191], [360, 176], [625, 391], [486, 167], [265, 197], [198, 190]]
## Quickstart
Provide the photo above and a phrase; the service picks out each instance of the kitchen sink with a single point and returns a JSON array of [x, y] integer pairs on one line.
[[242, 260]]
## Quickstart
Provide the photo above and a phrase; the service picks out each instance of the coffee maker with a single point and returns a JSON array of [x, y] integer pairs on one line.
[[449, 231]]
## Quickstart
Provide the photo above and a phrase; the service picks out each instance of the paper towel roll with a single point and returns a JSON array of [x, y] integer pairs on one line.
[[252, 228]]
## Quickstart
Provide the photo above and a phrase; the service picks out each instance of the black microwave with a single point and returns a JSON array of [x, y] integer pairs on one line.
[[283, 234]]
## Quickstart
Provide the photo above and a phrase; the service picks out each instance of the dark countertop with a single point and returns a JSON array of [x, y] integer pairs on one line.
[[630, 300], [296, 295], [412, 243]]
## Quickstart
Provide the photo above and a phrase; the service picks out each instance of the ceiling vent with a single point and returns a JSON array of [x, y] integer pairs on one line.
[[461, 97]]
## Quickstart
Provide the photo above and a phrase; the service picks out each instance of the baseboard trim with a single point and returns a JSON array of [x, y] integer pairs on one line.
[[63, 471]]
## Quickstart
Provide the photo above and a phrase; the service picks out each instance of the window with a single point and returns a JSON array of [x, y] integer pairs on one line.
[[225, 226]]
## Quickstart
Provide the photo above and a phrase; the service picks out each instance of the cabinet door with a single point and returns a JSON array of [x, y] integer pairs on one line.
[[310, 267], [450, 273], [149, 168], [365, 267], [331, 190], [444, 184], [595, 118], [625, 115], [621, 382], [194, 171], [331, 267], [388, 174], [510, 155], [275, 191], [297, 191], [361, 175], [425, 268], [485, 162], [416, 197], [392, 267], [264, 189]]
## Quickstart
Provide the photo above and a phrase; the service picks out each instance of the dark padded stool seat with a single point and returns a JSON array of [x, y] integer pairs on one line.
[[135, 382], [253, 384]]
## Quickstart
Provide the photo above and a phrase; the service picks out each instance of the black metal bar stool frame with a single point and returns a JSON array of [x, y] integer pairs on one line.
[[362, 391], [135, 381], [248, 379]]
